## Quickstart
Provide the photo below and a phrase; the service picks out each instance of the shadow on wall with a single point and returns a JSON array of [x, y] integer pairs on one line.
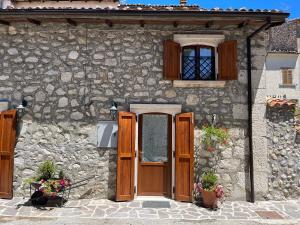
[[109, 173]]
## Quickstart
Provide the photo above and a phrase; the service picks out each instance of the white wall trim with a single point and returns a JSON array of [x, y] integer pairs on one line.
[[199, 39]]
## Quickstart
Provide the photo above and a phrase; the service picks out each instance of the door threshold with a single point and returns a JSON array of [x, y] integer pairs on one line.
[[152, 198]]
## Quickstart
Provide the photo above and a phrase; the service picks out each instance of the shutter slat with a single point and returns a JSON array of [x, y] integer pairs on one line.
[[7, 146], [126, 156], [171, 60], [227, 57], [184, 165]]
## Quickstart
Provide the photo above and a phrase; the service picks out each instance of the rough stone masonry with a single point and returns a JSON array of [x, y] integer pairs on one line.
[[69, 76]]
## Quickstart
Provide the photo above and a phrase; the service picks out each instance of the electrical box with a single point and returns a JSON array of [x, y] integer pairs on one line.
[[107, 134], [4, 105]]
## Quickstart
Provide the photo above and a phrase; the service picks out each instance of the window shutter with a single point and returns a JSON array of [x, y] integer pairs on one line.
[[227, 56], [126, 156], [171, 60], [290, 77], [287, 76], [184, 164], [7, 146]]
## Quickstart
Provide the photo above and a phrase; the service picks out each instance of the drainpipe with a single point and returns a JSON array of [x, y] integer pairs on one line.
[[249, 72]]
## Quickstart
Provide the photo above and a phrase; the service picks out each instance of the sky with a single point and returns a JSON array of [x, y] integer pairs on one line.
[[291, 6]]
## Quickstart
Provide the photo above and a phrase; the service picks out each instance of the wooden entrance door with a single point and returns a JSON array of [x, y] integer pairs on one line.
[[184, 165], [126, 156], [7, 145], [155, 154]]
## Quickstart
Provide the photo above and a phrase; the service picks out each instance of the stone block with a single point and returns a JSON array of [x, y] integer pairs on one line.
[[258, 79], [260, 184], [240, 111]]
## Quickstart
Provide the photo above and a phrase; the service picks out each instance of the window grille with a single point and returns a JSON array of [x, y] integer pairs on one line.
[[198, 63]]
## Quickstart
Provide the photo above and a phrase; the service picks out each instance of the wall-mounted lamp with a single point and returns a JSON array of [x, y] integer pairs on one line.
[[113, 110], [21, 108]]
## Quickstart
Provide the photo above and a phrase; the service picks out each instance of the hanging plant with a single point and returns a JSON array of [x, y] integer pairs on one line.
[[214, 135]]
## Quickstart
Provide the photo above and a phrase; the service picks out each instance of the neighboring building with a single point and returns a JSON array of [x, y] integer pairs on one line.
[[283, 61], [182, 63]]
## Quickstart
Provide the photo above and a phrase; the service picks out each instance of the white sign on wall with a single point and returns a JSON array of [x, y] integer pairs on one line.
[[107, 134]]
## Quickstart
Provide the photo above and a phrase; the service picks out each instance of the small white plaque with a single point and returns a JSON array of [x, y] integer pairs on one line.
[[107, 134]]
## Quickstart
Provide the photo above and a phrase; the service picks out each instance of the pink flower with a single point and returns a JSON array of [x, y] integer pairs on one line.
[[62, 182], [210, 149]]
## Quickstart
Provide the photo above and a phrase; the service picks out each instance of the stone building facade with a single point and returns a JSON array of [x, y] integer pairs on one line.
[[69, 75], [283, 150]]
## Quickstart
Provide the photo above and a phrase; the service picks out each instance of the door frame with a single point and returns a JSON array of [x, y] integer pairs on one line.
[[171, 109], [168, 168]]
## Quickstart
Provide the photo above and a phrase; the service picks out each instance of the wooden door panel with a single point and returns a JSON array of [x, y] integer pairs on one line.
[[152, 173], [126, 156], [154, 178], [7, 145], [125, 185], [184, 164], [183, 187], [5, 177]]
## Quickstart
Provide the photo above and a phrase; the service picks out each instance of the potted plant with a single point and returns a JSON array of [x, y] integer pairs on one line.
[[47, 183], [213, 135], [209, 190]]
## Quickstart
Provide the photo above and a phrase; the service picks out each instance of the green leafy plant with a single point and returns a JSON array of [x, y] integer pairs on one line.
[[61, 174], [214, 135], [46, 170], [209, 181]]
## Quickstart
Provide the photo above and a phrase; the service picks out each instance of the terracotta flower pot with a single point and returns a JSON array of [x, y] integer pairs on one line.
[[209, 199]]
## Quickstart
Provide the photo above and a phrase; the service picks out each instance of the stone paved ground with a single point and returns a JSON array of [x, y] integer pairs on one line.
[[106, 209]]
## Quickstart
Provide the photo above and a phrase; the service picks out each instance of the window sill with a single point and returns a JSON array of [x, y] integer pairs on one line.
[[287, 86], [199, 84]]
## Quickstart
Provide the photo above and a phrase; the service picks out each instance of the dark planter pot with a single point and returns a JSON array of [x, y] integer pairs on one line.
[[209, 199]]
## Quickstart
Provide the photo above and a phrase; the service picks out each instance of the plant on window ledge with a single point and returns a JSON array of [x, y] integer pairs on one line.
[[212, 136]]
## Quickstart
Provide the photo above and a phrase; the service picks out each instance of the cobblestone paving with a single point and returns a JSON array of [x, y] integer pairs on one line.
[[108, 209]]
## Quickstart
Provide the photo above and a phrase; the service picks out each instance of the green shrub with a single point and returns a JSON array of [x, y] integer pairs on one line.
[[209, 181], [46, 170]]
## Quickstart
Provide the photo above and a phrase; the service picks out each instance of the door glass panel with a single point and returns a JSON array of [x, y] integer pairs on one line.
[[155, 138]]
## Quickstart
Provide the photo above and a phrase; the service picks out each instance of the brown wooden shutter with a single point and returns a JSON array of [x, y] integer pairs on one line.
[[184, 166], [171, 60], [7, 146], [227, 60], [126, 156]]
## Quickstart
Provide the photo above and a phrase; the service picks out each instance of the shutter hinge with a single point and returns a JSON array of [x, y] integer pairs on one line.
[[135, 154], [174, 154], [134, 189], [135, 117], [174, 189]]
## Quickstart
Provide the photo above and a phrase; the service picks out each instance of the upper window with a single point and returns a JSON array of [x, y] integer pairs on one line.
[[198, 63], [287, 77]]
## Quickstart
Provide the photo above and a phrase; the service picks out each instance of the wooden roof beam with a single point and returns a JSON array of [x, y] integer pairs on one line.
[[34, 21], [142, 23], [4, 22], [209, 24], [243, 24], [71, 22], [109, 23]]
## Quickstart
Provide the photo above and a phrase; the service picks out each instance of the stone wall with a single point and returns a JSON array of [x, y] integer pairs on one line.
[[69, 76], [284, 154]]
